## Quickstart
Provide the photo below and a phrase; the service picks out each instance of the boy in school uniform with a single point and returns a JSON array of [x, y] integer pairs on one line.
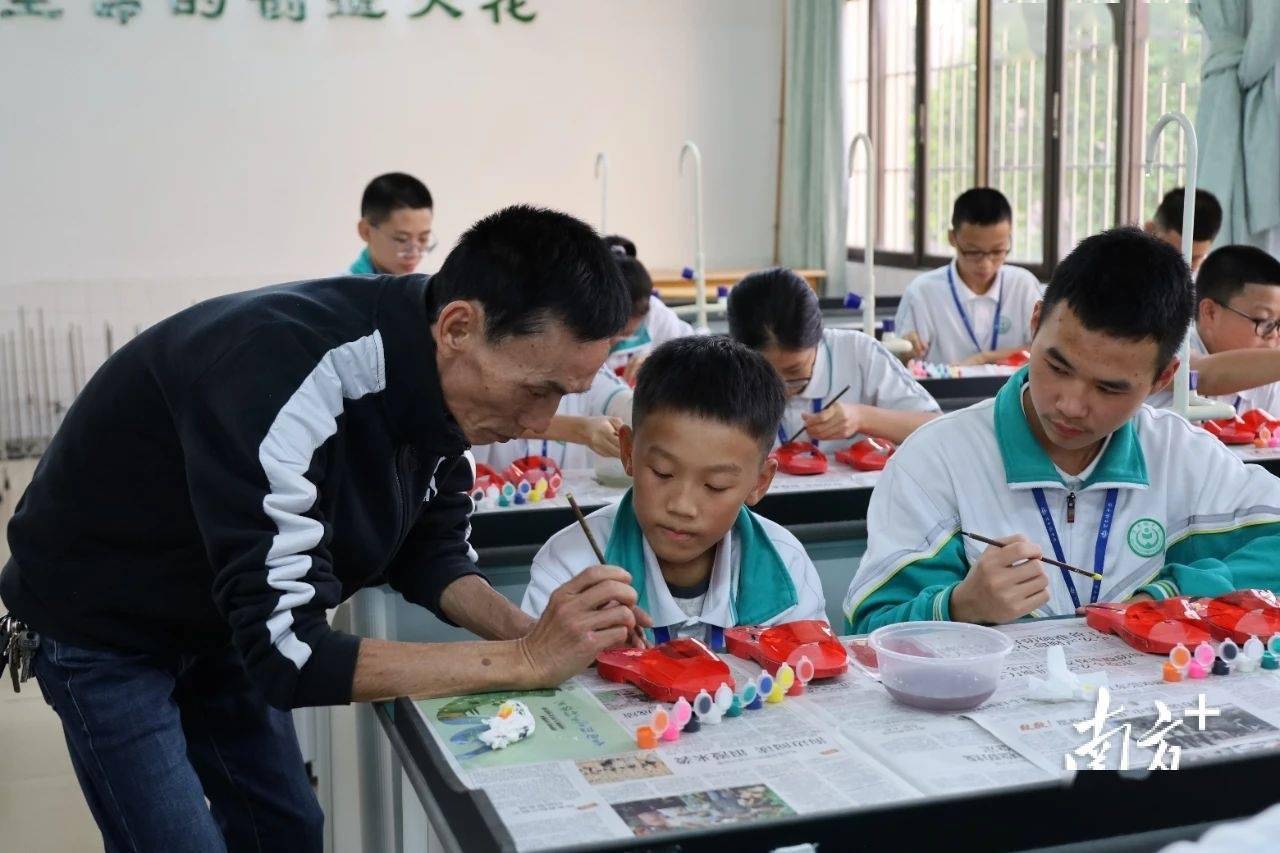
[[1066, 460], [652, 322], [1235, 342], [976, 309], [1166, 224], [700, 561], [776, 313], [396, 214]]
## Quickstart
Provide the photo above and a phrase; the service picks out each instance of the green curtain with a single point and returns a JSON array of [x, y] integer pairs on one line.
[[1238, 122], [812, 208]]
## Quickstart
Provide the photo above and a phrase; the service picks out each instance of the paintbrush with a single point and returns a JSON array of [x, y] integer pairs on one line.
[[820, 411], [1093, 575], [636, 634]]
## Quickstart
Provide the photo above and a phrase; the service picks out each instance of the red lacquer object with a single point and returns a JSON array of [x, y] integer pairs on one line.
[[787, 643], [682, 667]]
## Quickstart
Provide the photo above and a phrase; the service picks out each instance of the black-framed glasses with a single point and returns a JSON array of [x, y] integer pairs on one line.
[[797, 384], [979, 254], [1263, 327]]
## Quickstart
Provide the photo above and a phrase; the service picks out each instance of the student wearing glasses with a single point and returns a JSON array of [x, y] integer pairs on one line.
[[396, 214], [1235, 340], [776, 313], [976, 309]]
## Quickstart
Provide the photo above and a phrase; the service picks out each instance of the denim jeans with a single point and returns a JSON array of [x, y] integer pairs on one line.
[[153, 736]]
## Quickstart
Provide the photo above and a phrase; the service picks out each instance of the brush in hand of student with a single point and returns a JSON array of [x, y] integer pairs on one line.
[[1007, 582]]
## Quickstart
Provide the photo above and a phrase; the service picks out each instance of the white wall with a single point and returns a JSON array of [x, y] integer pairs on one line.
[[147, 166]]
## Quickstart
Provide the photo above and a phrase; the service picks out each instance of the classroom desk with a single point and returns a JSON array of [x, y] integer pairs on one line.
[[827, 514], [674, 287], [841, 766]]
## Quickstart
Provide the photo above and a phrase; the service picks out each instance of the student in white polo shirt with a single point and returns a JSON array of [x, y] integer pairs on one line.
[[976, 309], [699, 559], [1067, 461], [775, 312], [651, 323], [584, 424], [1235, 342]]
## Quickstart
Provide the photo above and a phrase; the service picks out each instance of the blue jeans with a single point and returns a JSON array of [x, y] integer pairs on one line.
[[153, 735]]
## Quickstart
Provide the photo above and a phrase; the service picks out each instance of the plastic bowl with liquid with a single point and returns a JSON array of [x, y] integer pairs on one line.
[[938, 666]]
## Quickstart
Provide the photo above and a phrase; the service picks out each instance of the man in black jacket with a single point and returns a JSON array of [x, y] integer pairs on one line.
[[243, 466]]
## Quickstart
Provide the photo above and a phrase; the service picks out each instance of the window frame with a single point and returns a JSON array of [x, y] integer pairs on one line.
[[1128, 26]]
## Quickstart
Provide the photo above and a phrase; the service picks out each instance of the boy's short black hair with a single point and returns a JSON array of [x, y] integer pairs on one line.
[[621, 245], [775, 307], [391, 192], [712, 377], [1208, 214], [639, 284], [1128, 284], [528, 266], [1227, 270], [980, 206]]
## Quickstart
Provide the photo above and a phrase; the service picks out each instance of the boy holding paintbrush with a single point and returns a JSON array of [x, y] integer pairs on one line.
[[1066, 461], [704, 417]]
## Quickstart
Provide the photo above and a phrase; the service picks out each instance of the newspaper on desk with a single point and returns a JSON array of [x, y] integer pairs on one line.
[[1247, 706], [845, 744]]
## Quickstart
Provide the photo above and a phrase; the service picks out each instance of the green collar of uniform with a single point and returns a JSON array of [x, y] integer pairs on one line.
[[765, 588], [1026, 462], [639, 339], [363, 265]]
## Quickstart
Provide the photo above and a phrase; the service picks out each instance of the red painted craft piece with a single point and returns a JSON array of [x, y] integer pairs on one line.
[[1242, 614], [486, 477], [530, 469], [863, 456], [682, 667], [800, 458], [1231, 431], [1154, 627], [1016, 359], [786, 643], [1255, 418]]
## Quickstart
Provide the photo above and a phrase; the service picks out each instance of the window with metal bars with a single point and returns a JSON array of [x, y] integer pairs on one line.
[[1046, 100]]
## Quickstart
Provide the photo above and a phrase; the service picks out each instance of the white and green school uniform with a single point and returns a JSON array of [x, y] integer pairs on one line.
[[958, 323], [1265, 397], [363, 264], [875, 377], [608, 395], [761, 574], [660, 325], [1164, 509]]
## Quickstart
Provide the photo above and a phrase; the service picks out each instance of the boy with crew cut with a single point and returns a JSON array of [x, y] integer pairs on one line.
[[704, 416], [396, 216], [1066, 460], [976, 309]]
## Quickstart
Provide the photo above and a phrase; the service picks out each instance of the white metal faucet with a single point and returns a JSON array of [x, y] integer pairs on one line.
[[1191, 407]]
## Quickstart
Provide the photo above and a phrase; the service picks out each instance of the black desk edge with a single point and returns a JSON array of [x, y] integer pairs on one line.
[[493, 531]]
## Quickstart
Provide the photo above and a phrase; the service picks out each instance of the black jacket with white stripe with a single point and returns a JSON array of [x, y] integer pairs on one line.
[[242, 466]]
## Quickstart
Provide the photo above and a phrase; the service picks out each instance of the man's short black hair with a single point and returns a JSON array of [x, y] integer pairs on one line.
[[528, 266], [980, 206], [639, 283], [712, 377], [391, 192], [1208, 214], [775, 307], [1227, 270], [1128, 284]]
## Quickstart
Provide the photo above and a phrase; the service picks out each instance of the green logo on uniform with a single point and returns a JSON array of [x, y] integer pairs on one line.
[[1146, 537], [1006, 323]]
